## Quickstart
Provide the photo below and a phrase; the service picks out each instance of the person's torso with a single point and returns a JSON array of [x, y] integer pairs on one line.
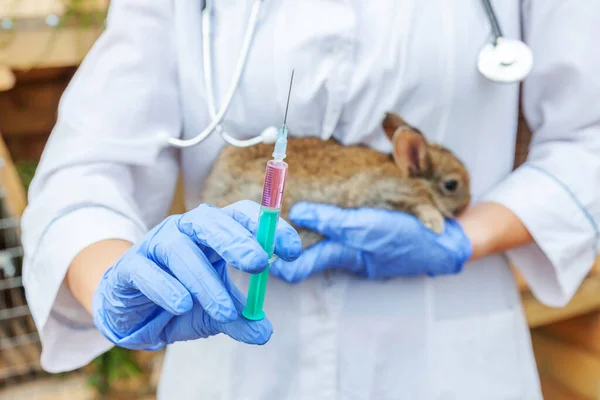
[[336, 336], [353, 61]]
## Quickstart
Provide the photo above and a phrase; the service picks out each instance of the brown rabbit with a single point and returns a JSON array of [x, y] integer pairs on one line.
[[420, 178]]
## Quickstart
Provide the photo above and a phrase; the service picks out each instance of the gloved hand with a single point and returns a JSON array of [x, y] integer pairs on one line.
[[374, 243], [173, 284]]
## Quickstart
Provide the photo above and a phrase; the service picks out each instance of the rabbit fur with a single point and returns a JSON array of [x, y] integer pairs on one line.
[[421, 178]]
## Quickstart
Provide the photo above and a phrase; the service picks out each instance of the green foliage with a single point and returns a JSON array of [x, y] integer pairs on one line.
[[112, 366], [26, 170], [81, 14]]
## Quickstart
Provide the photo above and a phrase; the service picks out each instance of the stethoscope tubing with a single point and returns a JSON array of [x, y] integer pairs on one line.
[[217, 117], [493, 20]]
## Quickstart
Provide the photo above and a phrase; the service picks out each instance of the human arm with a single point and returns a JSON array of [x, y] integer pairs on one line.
[[86, 270], [555, 193], [492, 228], [86, 188], [173, 285], [105, 179], [382, 243]]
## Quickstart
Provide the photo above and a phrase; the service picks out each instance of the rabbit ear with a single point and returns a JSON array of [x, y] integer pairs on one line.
[[391, 123], [410, 151], [410, 146]]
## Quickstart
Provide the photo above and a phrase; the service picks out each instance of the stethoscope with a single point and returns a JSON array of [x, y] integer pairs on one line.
[[501, 60], [269, 134]]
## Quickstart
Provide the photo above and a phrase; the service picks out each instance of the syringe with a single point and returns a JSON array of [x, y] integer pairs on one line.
[[270, 208]]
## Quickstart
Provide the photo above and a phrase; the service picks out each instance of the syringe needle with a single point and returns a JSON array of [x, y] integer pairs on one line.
[[281, 140], [288, 99]]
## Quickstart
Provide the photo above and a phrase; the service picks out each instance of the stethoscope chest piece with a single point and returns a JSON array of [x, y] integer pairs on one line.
[[506, 61]]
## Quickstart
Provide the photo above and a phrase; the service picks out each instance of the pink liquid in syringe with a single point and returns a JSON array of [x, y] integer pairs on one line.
[[274, 184]]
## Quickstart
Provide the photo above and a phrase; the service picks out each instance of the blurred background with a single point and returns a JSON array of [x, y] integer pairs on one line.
[[41, 44]]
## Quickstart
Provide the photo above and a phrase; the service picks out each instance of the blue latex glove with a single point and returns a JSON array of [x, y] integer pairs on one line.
[[173, 284], [373, 243]]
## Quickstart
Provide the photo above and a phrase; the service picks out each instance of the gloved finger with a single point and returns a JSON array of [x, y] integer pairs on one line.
[[214, 228], [363, 228], [149, 337], [251, 332], [197, 324], [288, 245], [239, 299], [328, 220], [326, 254], [154, 283], [182, 257]]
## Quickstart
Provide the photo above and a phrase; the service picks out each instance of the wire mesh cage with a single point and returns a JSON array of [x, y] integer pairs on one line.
[[20, 346]]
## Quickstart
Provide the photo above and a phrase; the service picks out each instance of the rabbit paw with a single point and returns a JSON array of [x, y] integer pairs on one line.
[[431, 217]]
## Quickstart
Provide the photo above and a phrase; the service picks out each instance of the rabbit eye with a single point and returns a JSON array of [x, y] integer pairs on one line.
[[451, 185]]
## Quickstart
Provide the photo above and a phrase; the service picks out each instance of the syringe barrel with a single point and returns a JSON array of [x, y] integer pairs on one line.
[[267, 226], [274, 186], [272, 198]]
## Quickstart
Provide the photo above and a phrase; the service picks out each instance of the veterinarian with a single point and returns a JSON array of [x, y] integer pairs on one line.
[[104, 266]]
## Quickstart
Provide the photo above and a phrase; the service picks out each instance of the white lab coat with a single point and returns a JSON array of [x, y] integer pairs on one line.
[[335, 336]]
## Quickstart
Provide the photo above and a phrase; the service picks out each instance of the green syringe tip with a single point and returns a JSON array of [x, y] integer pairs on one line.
[[256, 296], [258, 316]]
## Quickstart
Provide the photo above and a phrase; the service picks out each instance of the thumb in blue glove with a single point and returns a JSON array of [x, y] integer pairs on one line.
[[173, 284], [374, 243]]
